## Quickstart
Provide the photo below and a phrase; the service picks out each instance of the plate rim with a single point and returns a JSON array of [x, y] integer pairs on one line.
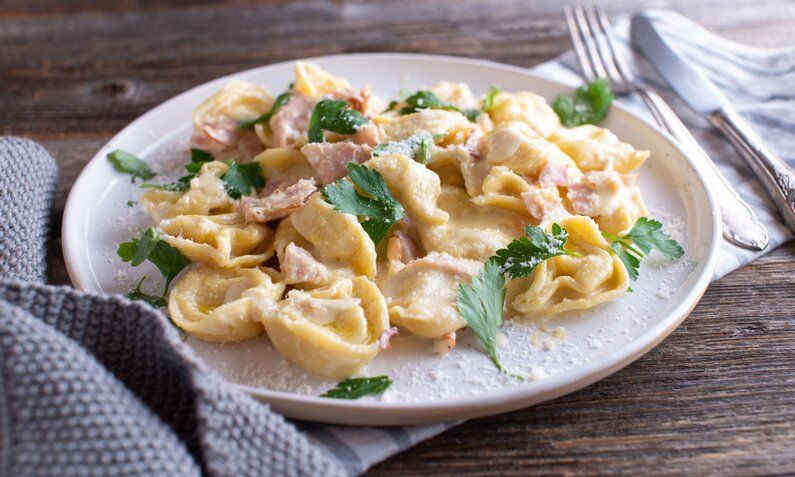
[[487, 403]]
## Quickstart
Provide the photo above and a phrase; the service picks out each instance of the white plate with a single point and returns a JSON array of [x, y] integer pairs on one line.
[[463, 384]]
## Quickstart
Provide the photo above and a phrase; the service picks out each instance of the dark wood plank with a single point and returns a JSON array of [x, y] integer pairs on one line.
[[716, 398]]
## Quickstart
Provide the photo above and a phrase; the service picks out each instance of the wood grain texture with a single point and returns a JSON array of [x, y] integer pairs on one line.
[[716, 398]]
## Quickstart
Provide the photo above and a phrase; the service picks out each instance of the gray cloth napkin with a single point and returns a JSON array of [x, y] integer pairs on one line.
[[98, 385]]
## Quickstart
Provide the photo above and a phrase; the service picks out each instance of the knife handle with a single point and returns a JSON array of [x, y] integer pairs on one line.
[[741, 226], [777, 177]]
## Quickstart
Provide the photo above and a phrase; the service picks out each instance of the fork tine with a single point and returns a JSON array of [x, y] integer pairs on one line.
[[623, 69], [579, 47], [590, 44], [605, 51]]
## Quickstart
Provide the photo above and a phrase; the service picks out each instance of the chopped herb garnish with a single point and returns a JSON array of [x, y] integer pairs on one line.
[[417, 147], [488, 101], [131, 203], [198, 158], [480, 305], [151, 246], [181, 185], [156, 301], [354, 388], [128, 163], [280, 101], [241, 178], [425, 100], [589, 105], [137, 294], [429, 100], [334, 116], [646, 235], [377, 204], [521, 256], [392, 105]]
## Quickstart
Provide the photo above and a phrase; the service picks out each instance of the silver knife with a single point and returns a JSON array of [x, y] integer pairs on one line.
[[703, 97]]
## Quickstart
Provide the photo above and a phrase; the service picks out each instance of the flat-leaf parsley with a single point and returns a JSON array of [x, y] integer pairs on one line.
[[646, 235], [379, 207], [589, 105]]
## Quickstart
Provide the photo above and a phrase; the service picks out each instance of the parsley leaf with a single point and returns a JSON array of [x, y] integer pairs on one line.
[[488, 101], [137, 294], [280, 101], [334, 116], [156, 301], [240, 178], [123, 161], [417, 147], [390, 107], [181, 185], [480, 305], [646, 235], [589, 105], [428, 100], [354, 388], [521, 256], [198, 158], [381, 209], [152, 247]]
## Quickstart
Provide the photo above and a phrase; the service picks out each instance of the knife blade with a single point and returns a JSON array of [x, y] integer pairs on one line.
[[703, 96]]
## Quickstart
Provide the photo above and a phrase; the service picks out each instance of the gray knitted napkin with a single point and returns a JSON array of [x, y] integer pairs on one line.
[[98, 385]]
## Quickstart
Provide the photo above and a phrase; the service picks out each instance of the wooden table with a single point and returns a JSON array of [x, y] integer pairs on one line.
[[717, 397]]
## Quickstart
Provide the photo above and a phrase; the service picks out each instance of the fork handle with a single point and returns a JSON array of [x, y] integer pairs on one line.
[[776, 175], [741, 226]]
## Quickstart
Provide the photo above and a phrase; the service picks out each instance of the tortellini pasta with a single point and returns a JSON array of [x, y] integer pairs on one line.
[[414, 186], [332, 331], [453, 126], [473, 232], [283, 166], [311, 80], [612, 199], [224, 240], [529, 108], [236, 101], [597, 149], [422, 294], [567, 282], [221, 304], [348, 245], [283, 260], [206, 196]]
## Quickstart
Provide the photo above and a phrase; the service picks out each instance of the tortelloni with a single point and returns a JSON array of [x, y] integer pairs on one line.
[[569, 282], [236, 101], [332, 331], [597, 149], [348, 244], [474, 232], [453, 126], [526, 107], [422, 294], [224, 240], [206, 196], [282, 166], [312, 81], [469, 181], [221, 305], [414, 186]]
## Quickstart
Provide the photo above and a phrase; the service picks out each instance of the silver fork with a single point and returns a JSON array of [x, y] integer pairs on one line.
[[595, 46]]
